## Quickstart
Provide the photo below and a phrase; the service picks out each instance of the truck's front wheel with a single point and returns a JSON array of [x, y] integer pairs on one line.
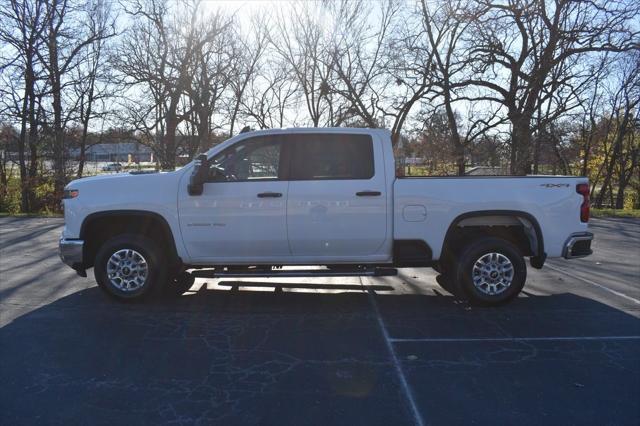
[[491, 271], [130, 266]]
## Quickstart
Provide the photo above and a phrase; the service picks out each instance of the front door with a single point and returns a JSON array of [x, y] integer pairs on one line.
[[337, 202], [241, 215]]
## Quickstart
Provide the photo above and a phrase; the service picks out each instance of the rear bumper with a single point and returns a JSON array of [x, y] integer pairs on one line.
[[578, 245], [71, 252]]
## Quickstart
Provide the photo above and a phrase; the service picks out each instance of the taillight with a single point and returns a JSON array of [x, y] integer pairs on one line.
[[583, 189]]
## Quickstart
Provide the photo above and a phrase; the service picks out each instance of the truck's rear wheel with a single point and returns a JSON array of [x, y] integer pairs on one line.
[[490, 271], [130, 266]]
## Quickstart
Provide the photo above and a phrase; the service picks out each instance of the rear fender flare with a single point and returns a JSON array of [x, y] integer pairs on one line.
[[537, 261]]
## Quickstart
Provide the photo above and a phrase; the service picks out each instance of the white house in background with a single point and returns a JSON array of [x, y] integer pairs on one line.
[[117, 152]]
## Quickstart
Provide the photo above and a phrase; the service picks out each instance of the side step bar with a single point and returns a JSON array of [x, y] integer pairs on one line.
[[371, 272]]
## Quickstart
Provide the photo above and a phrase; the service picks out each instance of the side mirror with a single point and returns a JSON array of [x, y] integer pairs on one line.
[[199, 175]]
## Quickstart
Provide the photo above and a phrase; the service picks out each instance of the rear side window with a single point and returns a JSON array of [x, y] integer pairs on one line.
[[331, 156]]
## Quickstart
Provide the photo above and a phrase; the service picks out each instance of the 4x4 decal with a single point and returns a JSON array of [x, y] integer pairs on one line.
[[555, 185]]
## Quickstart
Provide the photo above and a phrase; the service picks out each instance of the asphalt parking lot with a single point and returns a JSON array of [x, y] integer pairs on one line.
[[383, 351]]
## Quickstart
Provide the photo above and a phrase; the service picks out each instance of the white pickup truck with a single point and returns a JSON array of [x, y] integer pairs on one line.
[[270, 199]]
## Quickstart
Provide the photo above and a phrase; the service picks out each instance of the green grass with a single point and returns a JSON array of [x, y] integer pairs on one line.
[[615, 213]]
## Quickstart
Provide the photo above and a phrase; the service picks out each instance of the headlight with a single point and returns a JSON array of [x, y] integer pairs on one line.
[[70, 193]]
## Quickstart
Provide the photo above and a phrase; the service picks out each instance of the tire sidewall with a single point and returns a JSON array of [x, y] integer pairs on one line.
[[147, 248], [477, 250]]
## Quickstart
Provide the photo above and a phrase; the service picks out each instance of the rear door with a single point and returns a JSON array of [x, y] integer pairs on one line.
[[337, 202]]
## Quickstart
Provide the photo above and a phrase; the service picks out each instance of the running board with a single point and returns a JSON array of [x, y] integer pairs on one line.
[[370, 272]]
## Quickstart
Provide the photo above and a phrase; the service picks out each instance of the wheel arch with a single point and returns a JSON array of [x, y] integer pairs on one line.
[[100, 225], [486, 218]]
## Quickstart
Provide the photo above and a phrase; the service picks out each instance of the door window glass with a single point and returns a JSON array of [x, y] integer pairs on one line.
[[254, 159], [331, 156]]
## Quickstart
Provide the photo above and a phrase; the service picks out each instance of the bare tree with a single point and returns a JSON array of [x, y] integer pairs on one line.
[[23, 23], [444, 25], [358, 47], [532, 83], [589, 114], [8, 138], [212, 64], [516, 47], [624, 152], [247, 56], [155, 56], [301, 41], [92, 78], [409, 62], [271, 96], [65, 39]]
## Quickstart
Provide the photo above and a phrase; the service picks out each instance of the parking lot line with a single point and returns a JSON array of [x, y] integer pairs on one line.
[[513, 339], [588, 281], [417, 417]]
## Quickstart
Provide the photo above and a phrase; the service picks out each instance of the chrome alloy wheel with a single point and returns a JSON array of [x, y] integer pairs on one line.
[[127, 270], [492, 274]]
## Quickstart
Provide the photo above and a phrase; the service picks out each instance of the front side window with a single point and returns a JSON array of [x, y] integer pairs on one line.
[[331, 156], [253, 159]]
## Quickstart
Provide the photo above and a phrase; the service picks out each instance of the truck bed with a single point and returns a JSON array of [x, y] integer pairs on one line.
[[548, 199]]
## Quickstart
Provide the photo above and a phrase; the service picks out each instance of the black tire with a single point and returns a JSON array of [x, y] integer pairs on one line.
[[156, 265], [464, 273]]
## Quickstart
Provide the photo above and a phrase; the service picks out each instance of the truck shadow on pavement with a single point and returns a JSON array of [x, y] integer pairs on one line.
[[282, 357]]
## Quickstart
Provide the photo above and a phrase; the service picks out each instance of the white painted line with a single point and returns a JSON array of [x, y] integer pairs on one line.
[[417, 417], [588, 281], [514, 339]]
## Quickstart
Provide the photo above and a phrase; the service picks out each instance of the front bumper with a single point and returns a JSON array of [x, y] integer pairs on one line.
[[71, 252], [578, 245]]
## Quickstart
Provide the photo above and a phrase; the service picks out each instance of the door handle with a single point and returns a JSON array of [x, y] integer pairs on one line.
[[368, 193], [269, 195]]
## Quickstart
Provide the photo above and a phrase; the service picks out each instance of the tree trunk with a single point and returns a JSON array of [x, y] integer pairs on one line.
[[536, 154], [606, 183], [233, 120], [56, 87], [168, 146], [460, 162], [33, 151], [4, 179], [168, 162], [24, 178], [395, 138], [86, 117], [203, 129], [610, 188], [620, 196], [585, 159], [83, 141], [615, 156], [587, 152], [521, 146], [458, 146], [28, 137], [82, 160]]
